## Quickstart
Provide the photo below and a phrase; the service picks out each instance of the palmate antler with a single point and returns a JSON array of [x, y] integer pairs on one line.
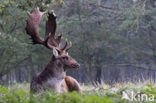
[[49, 41]]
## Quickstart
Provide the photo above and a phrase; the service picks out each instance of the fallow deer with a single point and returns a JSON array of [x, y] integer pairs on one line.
[[53, 77]]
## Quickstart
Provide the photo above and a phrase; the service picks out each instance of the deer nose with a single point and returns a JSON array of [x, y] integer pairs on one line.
[[75, 65]]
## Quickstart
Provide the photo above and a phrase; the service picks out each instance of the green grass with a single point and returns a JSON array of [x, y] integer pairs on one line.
[[19, 93]]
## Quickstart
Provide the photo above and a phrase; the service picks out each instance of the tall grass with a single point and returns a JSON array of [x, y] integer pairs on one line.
[[20, 93]]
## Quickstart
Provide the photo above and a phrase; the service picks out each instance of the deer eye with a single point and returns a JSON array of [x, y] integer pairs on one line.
[[65, 58]]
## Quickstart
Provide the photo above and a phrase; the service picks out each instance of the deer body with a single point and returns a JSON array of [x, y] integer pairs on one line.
[[50, 78], [53, 77]]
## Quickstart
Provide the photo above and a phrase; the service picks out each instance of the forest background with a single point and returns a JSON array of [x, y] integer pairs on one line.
[[113, 40]]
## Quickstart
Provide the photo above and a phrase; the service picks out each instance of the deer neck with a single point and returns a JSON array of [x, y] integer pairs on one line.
[[54, 70]]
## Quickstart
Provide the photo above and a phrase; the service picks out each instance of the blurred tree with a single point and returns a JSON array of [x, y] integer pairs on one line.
[[106, 34]]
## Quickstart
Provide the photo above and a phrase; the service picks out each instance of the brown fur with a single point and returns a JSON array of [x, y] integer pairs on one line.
[[53, 77], [70, 84]]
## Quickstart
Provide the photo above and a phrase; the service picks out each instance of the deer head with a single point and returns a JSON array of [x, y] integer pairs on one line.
[[60, 54]]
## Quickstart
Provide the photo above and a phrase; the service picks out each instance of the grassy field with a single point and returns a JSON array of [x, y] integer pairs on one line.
[[118, 93]]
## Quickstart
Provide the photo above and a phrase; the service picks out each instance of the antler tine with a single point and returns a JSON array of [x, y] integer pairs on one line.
[[64, 47], [70, 45], [28, 13], [59, 38], [48, 45]]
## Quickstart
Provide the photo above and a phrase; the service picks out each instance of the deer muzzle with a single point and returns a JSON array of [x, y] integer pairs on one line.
[[75, 66]]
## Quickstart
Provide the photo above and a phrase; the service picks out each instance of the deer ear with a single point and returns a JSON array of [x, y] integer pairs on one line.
[[55, 52]]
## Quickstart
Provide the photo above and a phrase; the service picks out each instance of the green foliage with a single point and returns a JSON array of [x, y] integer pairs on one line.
[[10, 47], [151, 90], [19, 93]]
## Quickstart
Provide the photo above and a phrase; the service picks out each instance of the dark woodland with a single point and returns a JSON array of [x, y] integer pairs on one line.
[[112, 40]]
